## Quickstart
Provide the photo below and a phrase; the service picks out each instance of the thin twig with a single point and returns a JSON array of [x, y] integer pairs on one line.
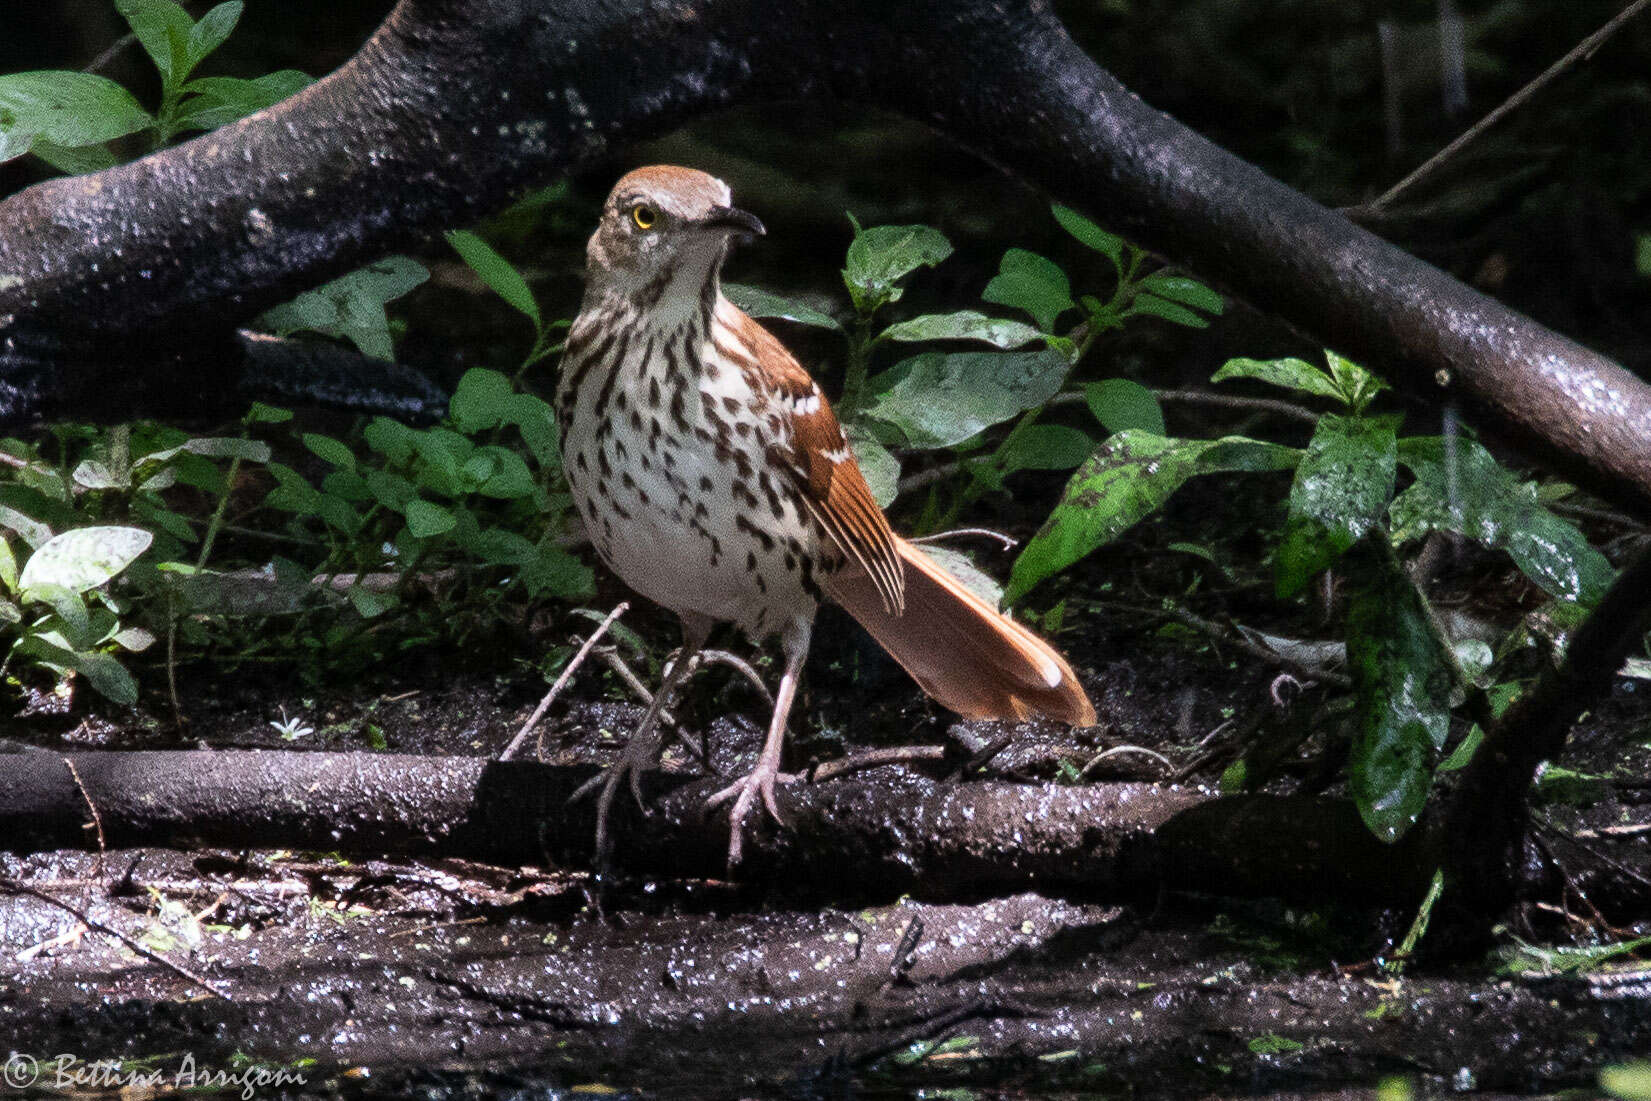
[[97, 819], [567, 673], [1581, 52], [1169, 766], [1007, 542], [1236, 639], [734, 661], [874, 758], [7, 883]]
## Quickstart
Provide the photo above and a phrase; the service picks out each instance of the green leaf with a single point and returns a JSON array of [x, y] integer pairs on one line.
[[1627, 1081], [351, 307], [1290, 373], [1357, 385], [1401, 688], [66, 109], [881, 256], [496, 272], [1120, 404], [536, 421], [1130, 476], [267, 414], [163, 28], [1181, 289], [483, 399], [292, 492], [1342, 486], [877, 463], [425, 519], [555, 572], [1473, 495], [368, 604], [220, 100], [1169, 311], [509, 477], [760, 303], [1045, 447], [83, 558], [8, 566], [1027, 281], [938, 399], [333, 451], [964, 325], [392, 439], [212, 31], [79, 160], [1108, 244], [228, 447], [389, 489]]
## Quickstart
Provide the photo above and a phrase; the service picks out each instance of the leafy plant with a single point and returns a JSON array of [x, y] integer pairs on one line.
[[69, 119], [1342, 511], [949, 400]]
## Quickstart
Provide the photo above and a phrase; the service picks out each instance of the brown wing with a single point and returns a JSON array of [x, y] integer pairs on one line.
[[819, 457]]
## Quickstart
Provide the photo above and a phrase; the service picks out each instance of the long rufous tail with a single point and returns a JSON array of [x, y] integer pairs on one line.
[[960, 650]]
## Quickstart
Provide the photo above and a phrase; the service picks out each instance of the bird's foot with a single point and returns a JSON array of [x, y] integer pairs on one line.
[[758, 783], [639, 754]]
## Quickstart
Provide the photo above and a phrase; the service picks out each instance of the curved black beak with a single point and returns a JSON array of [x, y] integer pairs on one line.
[[733, 220]]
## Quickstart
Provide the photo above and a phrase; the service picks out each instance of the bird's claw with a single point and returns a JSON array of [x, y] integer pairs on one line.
[[745, 791]]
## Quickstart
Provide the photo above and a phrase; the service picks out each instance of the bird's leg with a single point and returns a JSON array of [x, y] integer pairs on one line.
[[642, 749], [760, 780]]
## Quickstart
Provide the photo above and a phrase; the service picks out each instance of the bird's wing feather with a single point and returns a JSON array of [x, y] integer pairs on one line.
[[818, 455]]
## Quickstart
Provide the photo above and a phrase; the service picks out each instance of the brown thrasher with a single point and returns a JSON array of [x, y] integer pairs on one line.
[[714, 479]]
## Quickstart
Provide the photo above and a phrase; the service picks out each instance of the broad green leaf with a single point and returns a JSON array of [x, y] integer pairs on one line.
[[1108, 244], [555, 572], [964, 325], [346, 484], [509, 477], [351, 307], [83, 558], [938, 399], [66, 109], [212, 31], [34, 533], [134, 639], [1342, 485], [1471, 494], [1188, 292], [881, 468], [483, 399], [333, 451], [8, 566], [228, 447], [92, 474], [1290, 373], [163, 29], [268, 414], [496, 272], [1627, 1081], [501, 548], [389, 438], [425, 518], [368, 604], [1120, 404], [78, 160], [881, 256], [389, 489], [1129, 477], [1169, 311], [1401, 687], [338, 513], [1045, 447], [536, 421], [292, 492], [220, 100], [760, 303], [1027, 281], [1357, 385], [101, 671]]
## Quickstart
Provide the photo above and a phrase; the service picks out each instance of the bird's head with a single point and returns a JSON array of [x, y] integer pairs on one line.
[[664, 234]]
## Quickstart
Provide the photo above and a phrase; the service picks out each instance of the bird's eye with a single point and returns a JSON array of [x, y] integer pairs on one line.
[[644, 216]]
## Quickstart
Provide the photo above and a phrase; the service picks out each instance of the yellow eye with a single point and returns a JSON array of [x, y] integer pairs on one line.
[[644, 216]]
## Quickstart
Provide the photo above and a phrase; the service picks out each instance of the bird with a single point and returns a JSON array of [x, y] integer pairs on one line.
[[714, 479]]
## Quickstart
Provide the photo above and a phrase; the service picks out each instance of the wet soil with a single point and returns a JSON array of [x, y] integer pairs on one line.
[[414, 978]]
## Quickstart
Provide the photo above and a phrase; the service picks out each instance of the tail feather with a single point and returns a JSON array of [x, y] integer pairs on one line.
[[960, 650]]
